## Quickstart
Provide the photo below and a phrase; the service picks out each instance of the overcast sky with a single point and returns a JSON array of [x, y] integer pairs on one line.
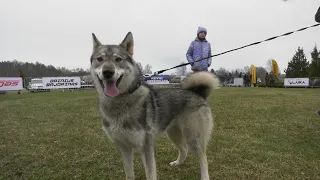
[[58, 32]]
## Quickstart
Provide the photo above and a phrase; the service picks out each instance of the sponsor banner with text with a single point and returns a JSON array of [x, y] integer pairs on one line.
[[158, 79], [158, 82], [61, 82], [11, 83], [296, 82]]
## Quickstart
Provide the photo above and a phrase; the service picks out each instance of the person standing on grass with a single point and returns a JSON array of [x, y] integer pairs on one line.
[[272, 80], [198, 49], [22, 76], [267, 79], [245, 77]]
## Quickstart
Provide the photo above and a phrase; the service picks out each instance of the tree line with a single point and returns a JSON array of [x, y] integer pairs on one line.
[[297, 67], [14, 68]]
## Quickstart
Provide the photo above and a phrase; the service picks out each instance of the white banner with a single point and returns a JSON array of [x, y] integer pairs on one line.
[[238, 82], [158, 82], [10, 83], [61, 82], [296, 82]]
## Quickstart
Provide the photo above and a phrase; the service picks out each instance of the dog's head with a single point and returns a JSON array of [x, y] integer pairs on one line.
[[112, 67]]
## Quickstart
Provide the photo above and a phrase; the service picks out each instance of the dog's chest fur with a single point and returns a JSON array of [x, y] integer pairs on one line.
[[125, 137], [126, 120]]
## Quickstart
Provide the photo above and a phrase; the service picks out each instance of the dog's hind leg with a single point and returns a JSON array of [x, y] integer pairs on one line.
[[127, 162], [176, 137], [196, 146], [197, 131]]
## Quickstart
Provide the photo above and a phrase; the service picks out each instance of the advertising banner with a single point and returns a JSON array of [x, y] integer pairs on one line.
[[11, 83], [61, 82], [253, 74], [275, 68], [296, 82], [158, 79]]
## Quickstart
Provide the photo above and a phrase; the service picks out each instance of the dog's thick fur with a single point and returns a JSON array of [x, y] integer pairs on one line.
[[136, 115]]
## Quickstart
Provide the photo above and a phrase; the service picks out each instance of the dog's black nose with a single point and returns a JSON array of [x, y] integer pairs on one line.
[[108, 74]]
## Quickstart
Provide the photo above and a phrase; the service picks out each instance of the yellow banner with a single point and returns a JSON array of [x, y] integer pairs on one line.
[[275, 68], [253, 74]]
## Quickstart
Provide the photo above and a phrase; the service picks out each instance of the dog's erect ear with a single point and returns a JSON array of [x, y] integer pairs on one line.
[[96, 42], [127, 43]]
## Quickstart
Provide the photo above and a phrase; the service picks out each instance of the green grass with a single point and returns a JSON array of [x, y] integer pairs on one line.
[[259, 133]]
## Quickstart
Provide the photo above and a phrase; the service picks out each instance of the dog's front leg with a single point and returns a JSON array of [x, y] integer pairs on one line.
[[127, 158], [148, 159]]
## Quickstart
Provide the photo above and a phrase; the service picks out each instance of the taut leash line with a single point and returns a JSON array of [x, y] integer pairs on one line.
[[269, 39]]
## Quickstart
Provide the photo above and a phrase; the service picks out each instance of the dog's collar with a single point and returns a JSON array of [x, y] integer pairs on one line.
[[134, 88]]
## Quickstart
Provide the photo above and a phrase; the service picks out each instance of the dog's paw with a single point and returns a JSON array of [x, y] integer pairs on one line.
[[174, 163]]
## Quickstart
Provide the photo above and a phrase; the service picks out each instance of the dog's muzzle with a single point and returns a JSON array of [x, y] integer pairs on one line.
[[110, 83], [108, 74]]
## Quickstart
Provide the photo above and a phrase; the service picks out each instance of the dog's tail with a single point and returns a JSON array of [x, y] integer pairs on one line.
[[201, 83]]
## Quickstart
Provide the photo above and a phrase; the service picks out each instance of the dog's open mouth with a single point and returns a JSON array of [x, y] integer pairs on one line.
[[110, 86]]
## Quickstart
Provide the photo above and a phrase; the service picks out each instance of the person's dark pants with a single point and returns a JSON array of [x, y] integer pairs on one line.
[[195, 70], [272, 84]]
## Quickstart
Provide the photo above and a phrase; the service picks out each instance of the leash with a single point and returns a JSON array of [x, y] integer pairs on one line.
[[269, 39]]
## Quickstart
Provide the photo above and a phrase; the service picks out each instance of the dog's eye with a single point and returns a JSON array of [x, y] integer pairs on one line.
[[118, 59], [100, 59]]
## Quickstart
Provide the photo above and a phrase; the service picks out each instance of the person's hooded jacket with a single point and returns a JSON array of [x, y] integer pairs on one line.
[[198, 49]]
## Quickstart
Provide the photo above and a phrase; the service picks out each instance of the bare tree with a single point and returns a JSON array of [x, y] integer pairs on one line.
[[246, 69], [261, 73], [147, 69], [140, 66], [182, 71], [269, 65], [222, 71]]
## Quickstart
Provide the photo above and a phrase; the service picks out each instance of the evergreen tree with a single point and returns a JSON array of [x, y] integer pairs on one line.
[[298, 66], [314, 68]]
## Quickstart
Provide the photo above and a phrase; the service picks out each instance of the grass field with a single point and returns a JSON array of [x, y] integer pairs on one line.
[[259, 133]]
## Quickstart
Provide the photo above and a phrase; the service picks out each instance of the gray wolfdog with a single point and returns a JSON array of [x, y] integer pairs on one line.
[[134, 115]]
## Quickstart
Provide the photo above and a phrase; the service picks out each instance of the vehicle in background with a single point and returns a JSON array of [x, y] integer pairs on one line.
[[3, 92], [147, 77], [177, 79], [36, 85], [259, 81]]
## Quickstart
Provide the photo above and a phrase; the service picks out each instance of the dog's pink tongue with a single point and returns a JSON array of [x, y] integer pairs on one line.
[[111, 89]]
